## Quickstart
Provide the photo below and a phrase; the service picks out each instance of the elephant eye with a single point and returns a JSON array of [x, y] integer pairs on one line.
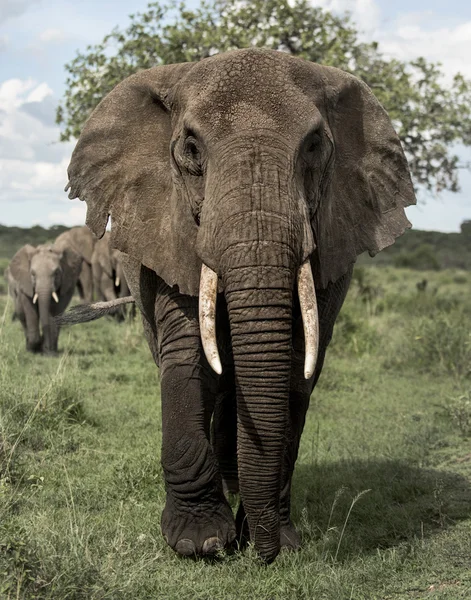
[[192, 156], [191, 148], [313, 143]]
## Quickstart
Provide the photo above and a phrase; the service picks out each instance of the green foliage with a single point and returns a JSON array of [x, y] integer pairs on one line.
[[430, 117], [426, 250], [423, 258]]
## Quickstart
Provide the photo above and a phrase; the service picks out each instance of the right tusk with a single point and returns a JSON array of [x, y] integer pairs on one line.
[[308, 302], [207, 316], [116, 282], [35, 298]]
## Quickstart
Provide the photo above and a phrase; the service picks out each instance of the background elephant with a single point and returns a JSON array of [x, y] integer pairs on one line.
[[41, 282], [82, 241], [261, 176], [109, 279]]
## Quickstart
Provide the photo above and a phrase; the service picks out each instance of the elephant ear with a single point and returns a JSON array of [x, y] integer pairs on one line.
[[20, 269], [369, 184], [121, 167]]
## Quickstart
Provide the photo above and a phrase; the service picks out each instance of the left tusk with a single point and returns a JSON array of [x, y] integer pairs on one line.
[[207, 316], [56, 297], [308, 302], [116, 282], [35, 298]]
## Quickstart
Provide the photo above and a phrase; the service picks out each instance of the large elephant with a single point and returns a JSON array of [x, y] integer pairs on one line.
[[239, 180], [41, 282], [82, 241]]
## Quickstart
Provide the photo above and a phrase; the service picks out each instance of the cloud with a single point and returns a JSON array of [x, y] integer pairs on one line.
[[14, 8], [365, 13], [422, 34], [33, 164], [411, 34], [52, 36], [4, 42], [44, 111], [73, 216]]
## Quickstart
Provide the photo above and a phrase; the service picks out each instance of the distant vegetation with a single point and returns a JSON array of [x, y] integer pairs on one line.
[[420, 250], [427, 250], [12, 238]]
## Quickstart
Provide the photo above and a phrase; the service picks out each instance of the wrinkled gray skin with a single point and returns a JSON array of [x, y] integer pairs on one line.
[[109, 279], [249, 162], [82, 241], [43, 271]]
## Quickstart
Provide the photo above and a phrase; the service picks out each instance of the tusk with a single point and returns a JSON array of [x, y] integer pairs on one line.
[[207, 316], [308, 302], [56, 297], [116, 282], [35, 298]]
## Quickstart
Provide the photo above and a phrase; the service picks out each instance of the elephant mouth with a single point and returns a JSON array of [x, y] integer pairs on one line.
[[307, 300]]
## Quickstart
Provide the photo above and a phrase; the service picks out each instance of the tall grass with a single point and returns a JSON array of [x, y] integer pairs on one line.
[[382, 488]]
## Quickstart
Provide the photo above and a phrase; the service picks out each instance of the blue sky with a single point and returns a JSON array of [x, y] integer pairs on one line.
[[37, 37]]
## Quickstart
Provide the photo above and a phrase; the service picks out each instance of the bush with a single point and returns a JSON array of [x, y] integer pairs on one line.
[[423, 258]]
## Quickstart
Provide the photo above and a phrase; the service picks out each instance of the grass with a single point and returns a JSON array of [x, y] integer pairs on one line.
[[382, 490]]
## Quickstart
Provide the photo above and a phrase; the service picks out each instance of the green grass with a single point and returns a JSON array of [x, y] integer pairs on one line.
[[382, 491]]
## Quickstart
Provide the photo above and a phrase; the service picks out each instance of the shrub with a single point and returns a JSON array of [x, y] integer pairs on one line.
[[441, 343]]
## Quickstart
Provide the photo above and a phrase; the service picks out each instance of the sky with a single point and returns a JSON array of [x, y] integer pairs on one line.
[[38, 37]]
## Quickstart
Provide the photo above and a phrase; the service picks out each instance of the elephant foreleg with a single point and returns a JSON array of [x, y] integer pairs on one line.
[[329, 303], [197, 518]]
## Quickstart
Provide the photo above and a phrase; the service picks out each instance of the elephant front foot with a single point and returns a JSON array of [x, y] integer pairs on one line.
[[198, 530], [289, 537]]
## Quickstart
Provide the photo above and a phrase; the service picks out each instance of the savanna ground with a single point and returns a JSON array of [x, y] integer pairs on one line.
[[382, 492]]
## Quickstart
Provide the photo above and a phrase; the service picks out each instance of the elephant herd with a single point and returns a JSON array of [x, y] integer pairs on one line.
[[42, 280]]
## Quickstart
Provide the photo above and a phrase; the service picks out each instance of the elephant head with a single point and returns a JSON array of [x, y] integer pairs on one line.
[[47, 276], [242, 172]]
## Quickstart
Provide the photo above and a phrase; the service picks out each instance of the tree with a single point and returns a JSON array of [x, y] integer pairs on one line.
[[430, 117]]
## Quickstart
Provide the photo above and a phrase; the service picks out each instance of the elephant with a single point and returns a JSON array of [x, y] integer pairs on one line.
[[109, 279], [82, 241], [41, 282], [241, 188]]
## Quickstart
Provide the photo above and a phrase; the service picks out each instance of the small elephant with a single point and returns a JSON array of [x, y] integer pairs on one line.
[[82, 241], [242, 188], [41, 282]]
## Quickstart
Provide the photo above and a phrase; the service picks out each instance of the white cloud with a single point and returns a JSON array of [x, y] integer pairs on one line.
[[74, 216], [33, 164], [365, 13], [52, 35], [39, 93], [422, 35]]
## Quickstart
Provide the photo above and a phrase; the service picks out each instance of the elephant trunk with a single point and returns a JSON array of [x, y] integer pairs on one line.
[[260, 312], [49, 329], [257, 249]]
